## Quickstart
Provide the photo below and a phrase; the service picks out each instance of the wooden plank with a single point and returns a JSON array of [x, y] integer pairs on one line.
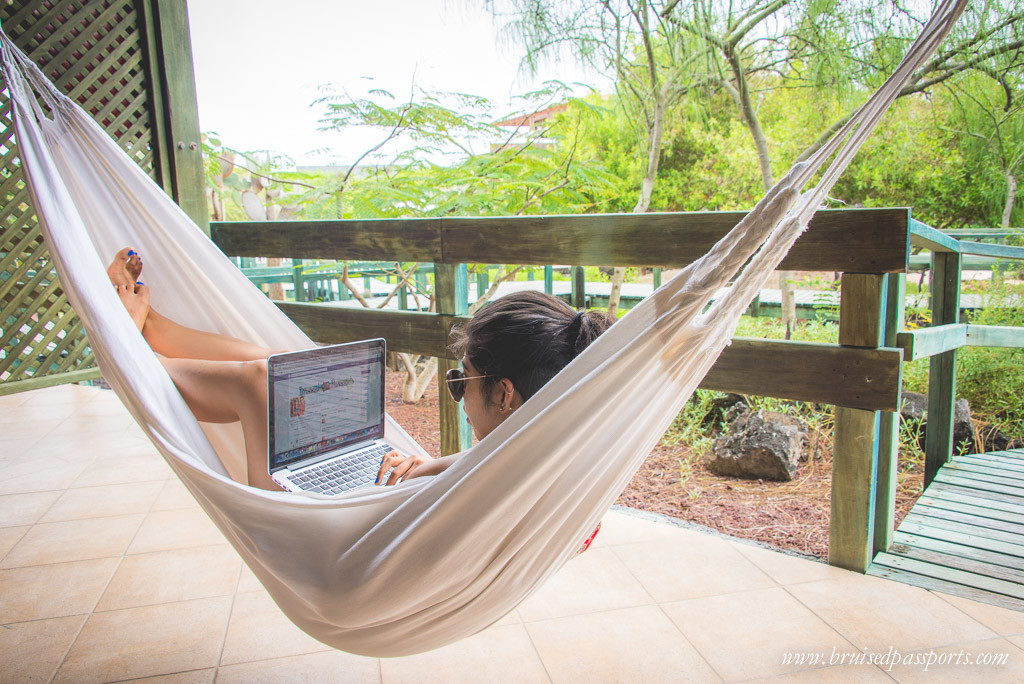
[[970, 507], [849, 240], [988, 249], [831, 374], [1013, 494], [963, 473], [926, 342], [942, 367], [995, 336], [369, 240], [987, 498], [964, 539], [992, 558], [953, 575], [952, 560], [406, 331], [1002, 475], [851, 544], [989, 461], [49, 381], [946, 587], [966, 528], [923, 235], [967, 518], [1012, 453]]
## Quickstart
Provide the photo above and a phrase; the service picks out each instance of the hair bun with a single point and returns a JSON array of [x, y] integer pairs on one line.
[[573, 332]]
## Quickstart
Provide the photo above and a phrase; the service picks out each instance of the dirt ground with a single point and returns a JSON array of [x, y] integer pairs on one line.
[[789, 515]]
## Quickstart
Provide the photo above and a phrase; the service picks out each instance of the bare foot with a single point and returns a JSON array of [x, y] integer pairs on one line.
[[126, 267], [136, 300]]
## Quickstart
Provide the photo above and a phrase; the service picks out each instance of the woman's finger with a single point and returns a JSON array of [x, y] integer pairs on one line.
[[400, 470]]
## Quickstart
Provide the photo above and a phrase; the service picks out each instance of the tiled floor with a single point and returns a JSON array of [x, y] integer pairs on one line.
[[109, 572]]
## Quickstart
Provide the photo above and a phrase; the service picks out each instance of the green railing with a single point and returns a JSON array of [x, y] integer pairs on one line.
[[860, 376]]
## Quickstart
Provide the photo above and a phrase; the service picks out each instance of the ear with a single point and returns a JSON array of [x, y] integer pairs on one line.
[[503, 392]]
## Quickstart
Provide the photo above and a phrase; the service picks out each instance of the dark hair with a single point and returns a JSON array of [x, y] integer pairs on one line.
[[527, 337]]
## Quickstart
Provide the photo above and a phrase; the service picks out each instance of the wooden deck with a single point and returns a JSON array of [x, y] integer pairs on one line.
[[965, 535]]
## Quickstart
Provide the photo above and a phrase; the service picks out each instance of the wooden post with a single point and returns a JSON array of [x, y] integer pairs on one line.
[[549, 279], [482, 282], [297, 281], [855, 454], [656, 278], [175, 107], [579, 288], [889, 422], [450, 293], [942, 367]]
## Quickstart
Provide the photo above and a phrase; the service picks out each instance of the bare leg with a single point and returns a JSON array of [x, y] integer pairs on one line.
[[222, 379], [225, 392]]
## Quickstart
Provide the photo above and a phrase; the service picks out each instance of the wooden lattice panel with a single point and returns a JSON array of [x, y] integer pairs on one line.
[[93, 50]]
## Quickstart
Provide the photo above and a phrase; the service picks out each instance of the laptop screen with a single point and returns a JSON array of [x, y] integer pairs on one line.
[[324, 399]]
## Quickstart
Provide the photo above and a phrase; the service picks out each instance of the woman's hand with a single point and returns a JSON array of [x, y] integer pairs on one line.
[[404, 467]]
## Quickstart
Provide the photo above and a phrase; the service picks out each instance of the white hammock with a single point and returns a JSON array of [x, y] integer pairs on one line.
[[404, 569]]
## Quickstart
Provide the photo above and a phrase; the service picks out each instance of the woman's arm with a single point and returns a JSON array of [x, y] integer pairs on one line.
[[407, 467]]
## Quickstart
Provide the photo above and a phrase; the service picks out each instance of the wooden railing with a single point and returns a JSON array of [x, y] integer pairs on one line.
[[861, 375], [946, 334]]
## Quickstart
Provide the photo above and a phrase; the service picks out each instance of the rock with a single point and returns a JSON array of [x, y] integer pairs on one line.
[[993, 439], [759, 445], [963, 428], [715, 418], [913, 406]]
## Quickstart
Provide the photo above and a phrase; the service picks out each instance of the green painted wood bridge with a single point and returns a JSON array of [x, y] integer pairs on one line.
[[965, 534]]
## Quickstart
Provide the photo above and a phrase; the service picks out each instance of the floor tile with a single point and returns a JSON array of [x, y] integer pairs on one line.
[[485, 657], [142, 642], [191, 677], [31, 651], [177, 529], [73, 540], [840, 674], [1000, 620], [58, 590], [702, 566], [168, 576], [42, 475], [25, 509], [630, 645], [875, 614], [248, 582], [328, 667], [174, 495], [787, 569], [618, 528], [9, 536], [994, 662], [103, 502], [259, 630], [82, 421], [751, 633], [593, 581], [11, 448], [141, 467]]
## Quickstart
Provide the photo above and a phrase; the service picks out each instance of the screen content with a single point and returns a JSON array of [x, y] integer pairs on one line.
[[326, 399]]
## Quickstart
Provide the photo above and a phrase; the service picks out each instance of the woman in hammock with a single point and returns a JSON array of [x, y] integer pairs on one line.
[[509, 350]]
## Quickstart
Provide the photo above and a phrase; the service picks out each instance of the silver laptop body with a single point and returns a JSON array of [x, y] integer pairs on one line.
[[326, 417]]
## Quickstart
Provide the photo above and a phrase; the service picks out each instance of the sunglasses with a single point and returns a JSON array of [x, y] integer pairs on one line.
[[456, 379]]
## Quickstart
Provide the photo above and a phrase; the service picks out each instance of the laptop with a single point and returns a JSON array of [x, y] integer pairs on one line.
[[326, 417]]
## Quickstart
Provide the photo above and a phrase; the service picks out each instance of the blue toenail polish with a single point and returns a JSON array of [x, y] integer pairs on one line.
[[139, 282], [131, 252]]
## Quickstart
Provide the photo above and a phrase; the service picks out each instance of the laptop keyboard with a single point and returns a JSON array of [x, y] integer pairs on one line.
[[337, 476]]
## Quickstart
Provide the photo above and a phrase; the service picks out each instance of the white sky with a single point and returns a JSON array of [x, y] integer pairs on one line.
[[259, 63]]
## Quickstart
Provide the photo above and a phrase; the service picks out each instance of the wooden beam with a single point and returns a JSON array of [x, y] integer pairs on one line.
[[49, 381], [926, 342], [889, 422], [990, 250], [406, 331], [924, 236], [451, 285], [855, 240], [370, 240], [995, 336]]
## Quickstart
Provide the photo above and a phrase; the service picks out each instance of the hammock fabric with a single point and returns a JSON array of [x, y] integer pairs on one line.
[[404, 569]]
